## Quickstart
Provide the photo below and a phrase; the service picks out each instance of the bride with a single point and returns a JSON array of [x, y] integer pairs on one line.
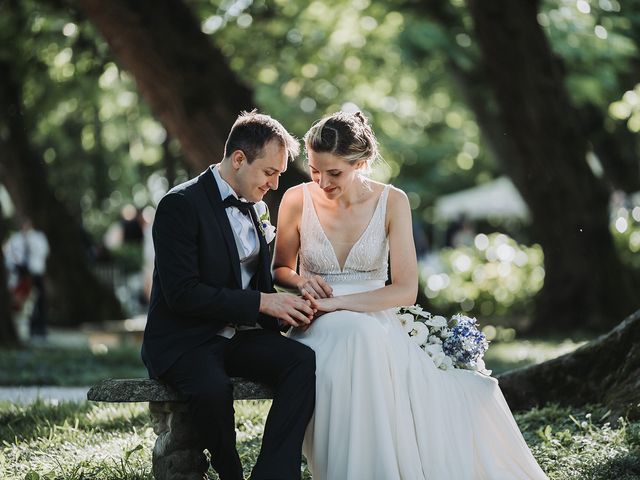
[[383, 409]]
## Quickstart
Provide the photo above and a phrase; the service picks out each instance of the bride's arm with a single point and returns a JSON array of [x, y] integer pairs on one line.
[[287, 245], [404, 266], [285, 255]]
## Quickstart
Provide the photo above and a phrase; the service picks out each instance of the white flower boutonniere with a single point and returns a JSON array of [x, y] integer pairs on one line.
[[267, 230]]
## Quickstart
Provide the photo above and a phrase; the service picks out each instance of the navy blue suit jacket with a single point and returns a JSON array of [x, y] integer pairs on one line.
[[197, 286]]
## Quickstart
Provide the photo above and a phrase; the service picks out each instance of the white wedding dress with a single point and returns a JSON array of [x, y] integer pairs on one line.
[[383, 410]]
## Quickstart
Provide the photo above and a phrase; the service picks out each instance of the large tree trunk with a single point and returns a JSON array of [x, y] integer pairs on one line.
[[8, 335], [604, 371], [76, 296], [585, 283], [183, 77]]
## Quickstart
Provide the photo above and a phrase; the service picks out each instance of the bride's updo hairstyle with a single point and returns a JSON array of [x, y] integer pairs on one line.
[[345, 135]]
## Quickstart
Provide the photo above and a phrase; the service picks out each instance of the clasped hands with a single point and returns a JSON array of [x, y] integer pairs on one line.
[[315, 298]]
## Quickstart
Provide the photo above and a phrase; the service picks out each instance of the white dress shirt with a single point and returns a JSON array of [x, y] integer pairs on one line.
[[242, 225], [247, 242]]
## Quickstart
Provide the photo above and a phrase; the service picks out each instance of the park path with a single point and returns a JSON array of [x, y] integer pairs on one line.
[[26, 395]]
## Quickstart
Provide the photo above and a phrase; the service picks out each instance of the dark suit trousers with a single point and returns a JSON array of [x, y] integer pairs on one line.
[[202, 375]]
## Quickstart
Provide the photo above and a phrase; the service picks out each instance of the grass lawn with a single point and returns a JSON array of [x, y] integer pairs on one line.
[[68, 367], [102, 441], [503, 356], [70, 441]]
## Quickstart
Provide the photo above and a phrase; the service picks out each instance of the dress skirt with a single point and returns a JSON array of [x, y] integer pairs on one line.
[[384, 411]]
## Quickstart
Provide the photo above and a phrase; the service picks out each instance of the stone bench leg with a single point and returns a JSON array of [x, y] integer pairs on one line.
[[176, 455]]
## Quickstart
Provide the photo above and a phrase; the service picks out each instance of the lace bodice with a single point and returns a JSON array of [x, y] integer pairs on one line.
[[367, 259]]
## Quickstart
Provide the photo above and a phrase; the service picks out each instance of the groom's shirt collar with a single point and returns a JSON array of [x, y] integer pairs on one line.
[[223, 185]]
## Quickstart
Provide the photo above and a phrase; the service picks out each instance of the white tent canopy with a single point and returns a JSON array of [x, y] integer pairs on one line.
[[498, 199]]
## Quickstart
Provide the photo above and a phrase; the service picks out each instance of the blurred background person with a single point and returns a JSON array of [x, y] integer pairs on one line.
[[26, 254]]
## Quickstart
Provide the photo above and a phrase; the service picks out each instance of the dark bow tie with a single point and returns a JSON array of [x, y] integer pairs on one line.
[[244, 207]]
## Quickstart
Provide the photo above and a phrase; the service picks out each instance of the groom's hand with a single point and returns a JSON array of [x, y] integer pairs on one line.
[[289, 308]]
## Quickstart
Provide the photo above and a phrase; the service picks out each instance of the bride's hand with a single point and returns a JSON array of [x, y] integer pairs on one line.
[[315, 287], [326, 305], [320, 307]]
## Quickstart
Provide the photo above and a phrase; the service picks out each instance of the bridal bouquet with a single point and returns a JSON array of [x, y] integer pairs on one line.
[[453, 343]]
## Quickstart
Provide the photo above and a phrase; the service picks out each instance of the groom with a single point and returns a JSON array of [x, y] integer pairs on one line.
[[213, 312]]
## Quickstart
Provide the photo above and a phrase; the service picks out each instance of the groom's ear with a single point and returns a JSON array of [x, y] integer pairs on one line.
[[237, 157]]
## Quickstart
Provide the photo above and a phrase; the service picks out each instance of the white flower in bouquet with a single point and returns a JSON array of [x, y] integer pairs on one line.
[[436, 353], [433, 349], [481, 367], [417, 310], [419, 333], [438, 321], [406, 319], [414, 308], [447, 363]]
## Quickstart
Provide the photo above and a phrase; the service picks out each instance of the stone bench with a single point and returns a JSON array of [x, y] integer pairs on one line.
[[177, 454]]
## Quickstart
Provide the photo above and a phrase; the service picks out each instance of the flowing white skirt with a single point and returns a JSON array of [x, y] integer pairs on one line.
[[384, 411]]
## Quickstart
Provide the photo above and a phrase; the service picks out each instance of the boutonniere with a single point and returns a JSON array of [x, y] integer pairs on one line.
[[267, 230]]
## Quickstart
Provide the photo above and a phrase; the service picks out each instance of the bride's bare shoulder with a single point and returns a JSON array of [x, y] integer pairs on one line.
[[292, 198], [374, 187], [294, 193], [397, 198]]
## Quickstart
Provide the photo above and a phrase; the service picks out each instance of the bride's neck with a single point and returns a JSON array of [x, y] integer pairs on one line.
[[354, 194]]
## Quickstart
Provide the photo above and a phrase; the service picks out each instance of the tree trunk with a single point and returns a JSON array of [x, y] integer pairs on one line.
[[604, 371], [183, 77], [8, 337], [76, 295], [585, 283]]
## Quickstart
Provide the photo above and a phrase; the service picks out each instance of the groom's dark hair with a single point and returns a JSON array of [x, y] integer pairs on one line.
[[252, 130]]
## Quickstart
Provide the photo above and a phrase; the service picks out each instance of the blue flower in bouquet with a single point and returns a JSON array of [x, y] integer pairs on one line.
[[466, 345]]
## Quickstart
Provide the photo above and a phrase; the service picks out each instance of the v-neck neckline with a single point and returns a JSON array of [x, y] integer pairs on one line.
[[326, 237]]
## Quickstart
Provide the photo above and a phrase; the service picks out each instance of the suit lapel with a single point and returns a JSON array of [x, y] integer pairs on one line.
[[264, 268], [212, 192], [264, 282]]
